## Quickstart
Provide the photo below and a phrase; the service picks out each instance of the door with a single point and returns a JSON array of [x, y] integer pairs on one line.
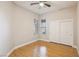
[[66, 32], [61, 31]]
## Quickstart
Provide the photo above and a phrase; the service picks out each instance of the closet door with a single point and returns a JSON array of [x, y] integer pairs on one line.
[[61, 31], [66, 32]]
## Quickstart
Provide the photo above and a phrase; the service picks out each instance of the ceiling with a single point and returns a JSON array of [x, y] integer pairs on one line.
[[55, 5]]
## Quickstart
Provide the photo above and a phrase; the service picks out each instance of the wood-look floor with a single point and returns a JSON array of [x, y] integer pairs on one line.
[[53, 50]]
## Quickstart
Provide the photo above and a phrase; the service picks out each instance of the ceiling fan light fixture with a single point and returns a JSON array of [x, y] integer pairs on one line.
[[41, 4]]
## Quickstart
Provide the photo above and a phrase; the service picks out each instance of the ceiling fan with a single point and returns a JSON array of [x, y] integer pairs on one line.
[[41, 4]]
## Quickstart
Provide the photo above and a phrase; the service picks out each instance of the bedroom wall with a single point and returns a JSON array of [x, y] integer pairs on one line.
[[78, 26], [65, 13], [6, 41], [16, 26], [23, 25]]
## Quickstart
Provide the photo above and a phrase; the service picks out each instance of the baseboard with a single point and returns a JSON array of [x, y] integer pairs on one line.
[[10, 51], [46, 40], [74, 46], [19, 47], [77, 50]]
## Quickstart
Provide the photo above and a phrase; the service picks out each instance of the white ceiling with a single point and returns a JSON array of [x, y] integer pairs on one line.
[[55, 5]]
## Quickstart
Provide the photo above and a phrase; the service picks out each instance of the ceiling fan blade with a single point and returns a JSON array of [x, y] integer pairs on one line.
[[42, 1], [34, 3], [47, 5]]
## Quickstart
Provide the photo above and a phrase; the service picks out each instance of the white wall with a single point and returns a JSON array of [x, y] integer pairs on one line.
[[16, 26], [62, 14], [23, 25], [6, 41], [78, 26]]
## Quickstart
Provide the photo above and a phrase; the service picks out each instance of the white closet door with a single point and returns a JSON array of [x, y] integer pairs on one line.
[[66, 32], [61, 31]]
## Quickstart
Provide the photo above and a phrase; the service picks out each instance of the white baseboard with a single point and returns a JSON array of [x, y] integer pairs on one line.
[[74, 46], [10, 51], [19, 47], [77, 50], [46, 40]]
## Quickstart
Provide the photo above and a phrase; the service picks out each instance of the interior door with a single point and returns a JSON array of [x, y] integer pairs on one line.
[[61, 31], [66, 32]]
